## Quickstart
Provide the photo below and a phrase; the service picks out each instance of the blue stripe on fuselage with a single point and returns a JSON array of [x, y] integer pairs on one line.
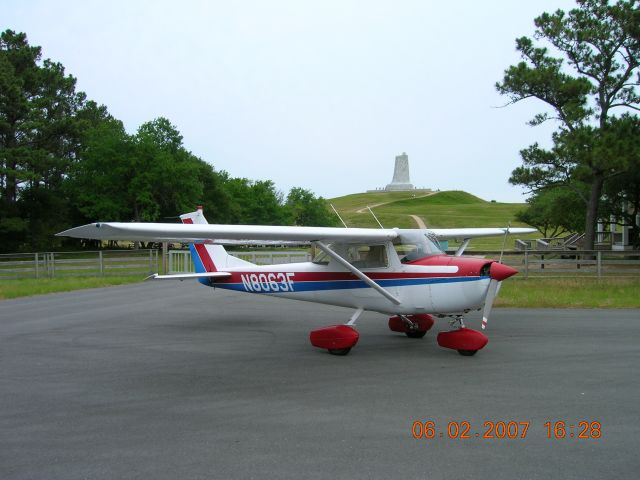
[[311, 285]]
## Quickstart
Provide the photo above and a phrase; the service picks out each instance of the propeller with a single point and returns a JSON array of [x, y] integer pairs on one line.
[[488, 302], [497, 272]]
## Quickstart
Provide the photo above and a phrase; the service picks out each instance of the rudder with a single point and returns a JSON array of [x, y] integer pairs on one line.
[[208, 257]]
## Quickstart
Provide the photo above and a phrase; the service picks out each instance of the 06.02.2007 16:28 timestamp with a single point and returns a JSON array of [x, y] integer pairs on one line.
[[498, 429]]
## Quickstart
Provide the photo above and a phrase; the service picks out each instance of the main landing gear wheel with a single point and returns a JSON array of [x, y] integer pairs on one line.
[[339, 351], [336, 339], [467, 353]]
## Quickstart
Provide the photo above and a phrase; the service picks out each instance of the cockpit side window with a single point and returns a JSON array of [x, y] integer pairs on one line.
[[415, 245]]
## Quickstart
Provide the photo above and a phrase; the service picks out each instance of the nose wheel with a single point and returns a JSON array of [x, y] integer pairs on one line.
[[416, 334], [466, 341], [413, 326], [339, 351]]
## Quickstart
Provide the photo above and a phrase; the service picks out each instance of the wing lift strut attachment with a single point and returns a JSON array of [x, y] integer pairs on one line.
[[462, 247]]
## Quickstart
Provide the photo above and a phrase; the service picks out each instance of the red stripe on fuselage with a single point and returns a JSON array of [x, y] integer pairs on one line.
[[467, 267], [205, 258]]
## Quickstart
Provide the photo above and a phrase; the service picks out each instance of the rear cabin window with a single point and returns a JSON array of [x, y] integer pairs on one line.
[[358, 255], [367, 256]]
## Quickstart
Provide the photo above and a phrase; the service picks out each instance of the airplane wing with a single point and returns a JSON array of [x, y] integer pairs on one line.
[[464, 233], [179, 232]]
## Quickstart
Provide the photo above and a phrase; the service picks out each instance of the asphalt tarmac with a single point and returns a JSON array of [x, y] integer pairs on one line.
[[176, 380]]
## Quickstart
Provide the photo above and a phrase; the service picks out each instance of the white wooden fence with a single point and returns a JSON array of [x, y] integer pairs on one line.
[[180, 260], [78, 264], [569, 263]]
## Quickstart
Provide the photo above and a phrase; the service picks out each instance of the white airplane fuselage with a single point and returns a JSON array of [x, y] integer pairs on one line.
[[435, 289]]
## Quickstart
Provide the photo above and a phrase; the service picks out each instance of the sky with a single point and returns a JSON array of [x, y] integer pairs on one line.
[[319, 95]]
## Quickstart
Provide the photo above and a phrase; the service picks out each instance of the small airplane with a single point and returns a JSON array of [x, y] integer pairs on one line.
[[399, 272]]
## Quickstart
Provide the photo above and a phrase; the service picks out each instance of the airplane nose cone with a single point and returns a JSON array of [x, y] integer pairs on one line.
[[499, 272]]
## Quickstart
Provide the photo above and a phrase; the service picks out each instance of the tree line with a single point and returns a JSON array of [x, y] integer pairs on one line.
[[65, 160], [583, 66]]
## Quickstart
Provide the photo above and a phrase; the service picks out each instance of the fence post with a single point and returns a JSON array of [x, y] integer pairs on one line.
[[526, 264], [599, 260], [53, 264], [165, 257], [36, 265], [150, 261]]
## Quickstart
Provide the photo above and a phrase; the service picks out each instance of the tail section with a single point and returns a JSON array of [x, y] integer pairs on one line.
[[206, 256]]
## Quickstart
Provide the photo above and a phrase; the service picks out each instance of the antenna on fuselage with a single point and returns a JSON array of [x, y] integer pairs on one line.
[[374, 216], [336, 212]]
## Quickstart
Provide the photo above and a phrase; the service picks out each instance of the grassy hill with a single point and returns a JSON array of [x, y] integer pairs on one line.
[[450, 209]]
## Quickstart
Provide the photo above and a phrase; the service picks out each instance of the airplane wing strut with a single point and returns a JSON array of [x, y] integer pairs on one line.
[[358, 273]]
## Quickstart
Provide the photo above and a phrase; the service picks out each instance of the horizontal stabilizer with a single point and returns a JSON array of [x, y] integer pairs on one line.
[[186, 276]]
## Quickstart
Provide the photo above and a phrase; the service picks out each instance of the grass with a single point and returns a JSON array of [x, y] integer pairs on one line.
[[356, 201], [541, 292], [450, 209], [29, 287]]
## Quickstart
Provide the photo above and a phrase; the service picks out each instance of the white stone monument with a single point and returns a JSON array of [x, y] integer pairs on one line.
[[401, 180]]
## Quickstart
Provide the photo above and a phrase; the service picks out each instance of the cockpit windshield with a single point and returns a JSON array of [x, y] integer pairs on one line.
[[412, 245]]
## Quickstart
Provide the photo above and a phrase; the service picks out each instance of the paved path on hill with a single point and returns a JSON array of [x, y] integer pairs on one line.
[[419, 221], [364, 210]]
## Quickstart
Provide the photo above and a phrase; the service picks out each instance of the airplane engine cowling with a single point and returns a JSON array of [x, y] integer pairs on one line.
[[335, 337], [463, 339], [424, 321]]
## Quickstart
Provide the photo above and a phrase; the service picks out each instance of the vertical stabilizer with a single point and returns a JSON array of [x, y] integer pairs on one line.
[[206, 256]]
